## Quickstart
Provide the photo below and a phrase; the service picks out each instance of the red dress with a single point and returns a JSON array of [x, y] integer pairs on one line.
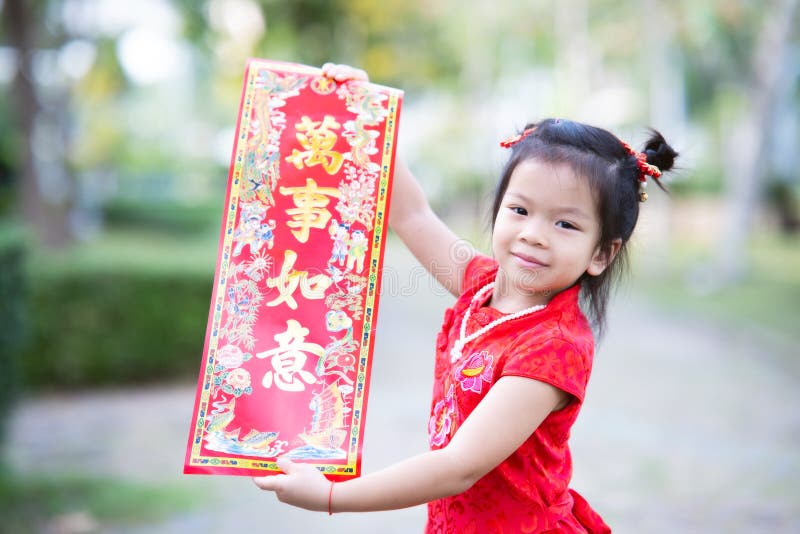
[[529, 491]]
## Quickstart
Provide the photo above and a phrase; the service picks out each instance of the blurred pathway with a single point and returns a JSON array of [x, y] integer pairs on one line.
[[687, 428]]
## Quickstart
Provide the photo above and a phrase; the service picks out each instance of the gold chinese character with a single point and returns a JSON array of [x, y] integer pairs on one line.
[[310, 211], [289, 358], [318, 141], [288, 280]]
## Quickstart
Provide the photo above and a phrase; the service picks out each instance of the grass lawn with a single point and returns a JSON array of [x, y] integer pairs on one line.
[[84, 504], [766, 299]]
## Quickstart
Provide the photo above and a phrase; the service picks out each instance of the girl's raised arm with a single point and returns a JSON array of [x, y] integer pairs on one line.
[[511, 411], [431, 241]]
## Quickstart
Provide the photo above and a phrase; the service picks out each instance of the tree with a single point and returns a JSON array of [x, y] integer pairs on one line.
[[48, 219], [748, 141]]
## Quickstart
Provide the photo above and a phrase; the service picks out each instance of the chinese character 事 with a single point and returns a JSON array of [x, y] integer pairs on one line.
[[309, 211]]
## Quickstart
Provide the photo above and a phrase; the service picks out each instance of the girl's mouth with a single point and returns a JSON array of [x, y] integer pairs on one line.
[[529, 262]]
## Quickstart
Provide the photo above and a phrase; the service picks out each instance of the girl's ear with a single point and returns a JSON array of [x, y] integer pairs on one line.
[[603, 258]]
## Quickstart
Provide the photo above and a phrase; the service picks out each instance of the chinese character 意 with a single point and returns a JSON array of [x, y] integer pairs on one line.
[[289, 358], [310, 211], [289, 279], [318, 140]]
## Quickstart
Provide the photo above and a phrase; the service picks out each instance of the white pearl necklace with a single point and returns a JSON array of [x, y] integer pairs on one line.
[[463, 338]]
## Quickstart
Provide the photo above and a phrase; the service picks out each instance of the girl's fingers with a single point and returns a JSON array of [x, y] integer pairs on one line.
[[338, 73], [328, 69], [303, 485], [271, 483], [276, 482], [286, 465], [343, 73], [357, 74]]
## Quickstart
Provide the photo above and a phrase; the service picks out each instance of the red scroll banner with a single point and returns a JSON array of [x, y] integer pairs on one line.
[[291, 328]]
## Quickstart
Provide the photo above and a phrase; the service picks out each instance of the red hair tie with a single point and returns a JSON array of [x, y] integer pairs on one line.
[[645, 169], [508, 142]]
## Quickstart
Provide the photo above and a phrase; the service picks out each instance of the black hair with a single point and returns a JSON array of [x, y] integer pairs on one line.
[[613, 175]]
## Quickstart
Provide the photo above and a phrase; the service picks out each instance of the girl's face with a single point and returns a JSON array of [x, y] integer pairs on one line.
[[545, 235]]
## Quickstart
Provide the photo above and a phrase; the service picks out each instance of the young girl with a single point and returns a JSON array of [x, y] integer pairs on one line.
[[514, 354]]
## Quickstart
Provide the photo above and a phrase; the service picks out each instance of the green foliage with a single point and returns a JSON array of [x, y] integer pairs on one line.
[[28, 504], [124, 313], [707, 180], [163, 216]]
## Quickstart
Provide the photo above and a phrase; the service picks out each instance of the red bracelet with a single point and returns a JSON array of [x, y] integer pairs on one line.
[[330, 499]]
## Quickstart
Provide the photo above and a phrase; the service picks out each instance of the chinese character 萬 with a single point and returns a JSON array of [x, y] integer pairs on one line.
[[318, 140]]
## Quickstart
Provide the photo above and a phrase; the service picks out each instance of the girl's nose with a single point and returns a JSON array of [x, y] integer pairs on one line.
[[534, 232]]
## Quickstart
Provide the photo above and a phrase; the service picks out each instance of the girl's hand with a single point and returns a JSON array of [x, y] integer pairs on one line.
[[343, 73], [302, 485]]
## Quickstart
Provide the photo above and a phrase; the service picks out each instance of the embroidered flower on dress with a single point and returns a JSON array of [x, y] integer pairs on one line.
[[441, 420], [475, 370]]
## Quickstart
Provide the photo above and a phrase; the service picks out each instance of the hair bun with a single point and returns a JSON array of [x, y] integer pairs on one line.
[[658, 152]]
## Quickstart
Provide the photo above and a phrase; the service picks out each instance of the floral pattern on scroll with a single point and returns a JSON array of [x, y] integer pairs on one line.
[[345, 284]]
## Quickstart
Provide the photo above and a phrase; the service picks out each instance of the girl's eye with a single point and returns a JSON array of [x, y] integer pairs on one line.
[[518, 210], [566, 225]]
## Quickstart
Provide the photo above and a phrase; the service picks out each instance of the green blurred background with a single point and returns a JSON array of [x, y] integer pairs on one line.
[[117, 125]]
